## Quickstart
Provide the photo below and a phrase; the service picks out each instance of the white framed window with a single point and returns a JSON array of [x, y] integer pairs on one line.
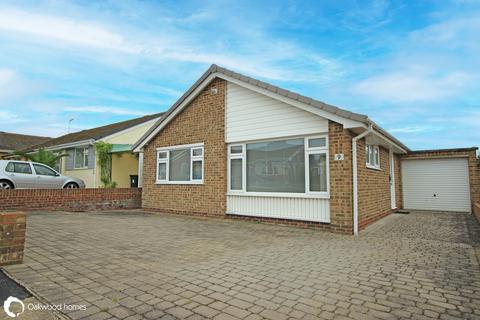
[[372, 156], [182, 164], [280, 167], [81, 158]]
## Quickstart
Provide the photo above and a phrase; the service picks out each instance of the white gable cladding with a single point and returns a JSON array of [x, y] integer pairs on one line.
[[252, 116]]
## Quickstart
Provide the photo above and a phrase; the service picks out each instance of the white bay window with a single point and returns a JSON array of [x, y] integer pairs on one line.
[[180, 164], [296, 166]]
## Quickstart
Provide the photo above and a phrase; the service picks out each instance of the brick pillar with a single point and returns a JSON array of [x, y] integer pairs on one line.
[[12, 237], [341, 181]]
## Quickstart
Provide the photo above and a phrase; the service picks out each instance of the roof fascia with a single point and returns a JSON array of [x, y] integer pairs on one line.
[[129, 129], [174, 112], [72, 144]]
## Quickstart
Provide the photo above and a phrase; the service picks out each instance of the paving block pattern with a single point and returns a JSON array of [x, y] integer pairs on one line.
[[143, 266]]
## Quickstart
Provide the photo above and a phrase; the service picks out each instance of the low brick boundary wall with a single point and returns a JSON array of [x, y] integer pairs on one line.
[[12, 237], [70, 199], [476, 211]]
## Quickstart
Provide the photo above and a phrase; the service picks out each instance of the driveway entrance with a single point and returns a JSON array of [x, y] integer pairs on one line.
[[125, 265]]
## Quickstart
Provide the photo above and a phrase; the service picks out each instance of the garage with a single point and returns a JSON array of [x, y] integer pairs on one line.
[[436, 184]]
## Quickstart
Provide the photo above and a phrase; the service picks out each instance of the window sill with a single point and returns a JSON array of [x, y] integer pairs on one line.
[[179, 182], [77, 169], [374, 168], [279, 195]]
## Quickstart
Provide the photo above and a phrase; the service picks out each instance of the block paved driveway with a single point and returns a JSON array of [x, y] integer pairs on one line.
[[141, 266]]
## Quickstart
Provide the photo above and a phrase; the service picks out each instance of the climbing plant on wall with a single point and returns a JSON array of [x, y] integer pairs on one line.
[[104, 156]]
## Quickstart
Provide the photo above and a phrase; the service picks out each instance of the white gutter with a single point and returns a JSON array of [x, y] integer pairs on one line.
[[70, 145], [355, 177]]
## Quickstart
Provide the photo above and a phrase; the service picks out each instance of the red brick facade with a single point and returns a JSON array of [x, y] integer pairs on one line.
[[473, 165], [374, 195], [12, 237], [203, 121], [70, 199], [476, 211], [374, 200], [341, 178]]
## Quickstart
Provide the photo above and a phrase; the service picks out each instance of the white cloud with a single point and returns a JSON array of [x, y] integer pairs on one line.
[[101, 109], [258, 55], [10, 117], [411, 129], [412, 86], [6, 76], [62, 29]]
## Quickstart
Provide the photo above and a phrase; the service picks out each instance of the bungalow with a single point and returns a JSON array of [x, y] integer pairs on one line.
[[10, 142], [82, 161], [237, 146]]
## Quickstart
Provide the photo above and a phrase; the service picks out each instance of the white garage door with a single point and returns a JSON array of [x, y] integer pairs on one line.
[[436, 184]]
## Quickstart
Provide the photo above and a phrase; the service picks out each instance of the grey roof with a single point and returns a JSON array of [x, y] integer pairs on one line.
[[95, 133], [445, 150], [286, 93], [15, 141]]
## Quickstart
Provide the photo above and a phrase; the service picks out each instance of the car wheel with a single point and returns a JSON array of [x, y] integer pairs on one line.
[[71, 185], [6, 185]]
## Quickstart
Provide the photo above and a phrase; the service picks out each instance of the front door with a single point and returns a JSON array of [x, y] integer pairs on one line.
[[393, 196]]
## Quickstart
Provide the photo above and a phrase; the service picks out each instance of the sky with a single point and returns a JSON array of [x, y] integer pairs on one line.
[[412, 66]]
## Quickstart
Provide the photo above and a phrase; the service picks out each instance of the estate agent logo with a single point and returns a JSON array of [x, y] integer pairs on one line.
[[8, 303]]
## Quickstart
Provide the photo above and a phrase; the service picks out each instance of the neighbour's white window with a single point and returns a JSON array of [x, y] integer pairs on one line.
[[372, 155], [297, 166], [180, 164], [81, 158]]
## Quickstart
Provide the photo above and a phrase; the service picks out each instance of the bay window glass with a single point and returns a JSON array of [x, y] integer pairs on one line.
[[236, 174], [317, 142], [276, 166], [236, 149], [317, 164], [162, 171], [296, 166]]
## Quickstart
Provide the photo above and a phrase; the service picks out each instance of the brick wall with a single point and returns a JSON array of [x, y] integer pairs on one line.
[[374, 198], [341, 181], [476, 211], [70, 199], [398, 181], [473, 166], [202, 121], [12, 237]]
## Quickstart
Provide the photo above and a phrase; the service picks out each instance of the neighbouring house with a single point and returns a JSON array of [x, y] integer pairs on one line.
[[82, 162], [10, 142], [237, 146]]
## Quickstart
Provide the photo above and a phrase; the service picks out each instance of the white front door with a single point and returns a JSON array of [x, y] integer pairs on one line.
[[393, 195]]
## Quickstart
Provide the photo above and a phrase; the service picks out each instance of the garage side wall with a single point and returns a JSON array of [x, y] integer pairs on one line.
[[473, 167], [202, 121]]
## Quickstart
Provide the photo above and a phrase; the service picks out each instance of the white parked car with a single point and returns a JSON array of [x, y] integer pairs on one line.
[[32, 175]]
